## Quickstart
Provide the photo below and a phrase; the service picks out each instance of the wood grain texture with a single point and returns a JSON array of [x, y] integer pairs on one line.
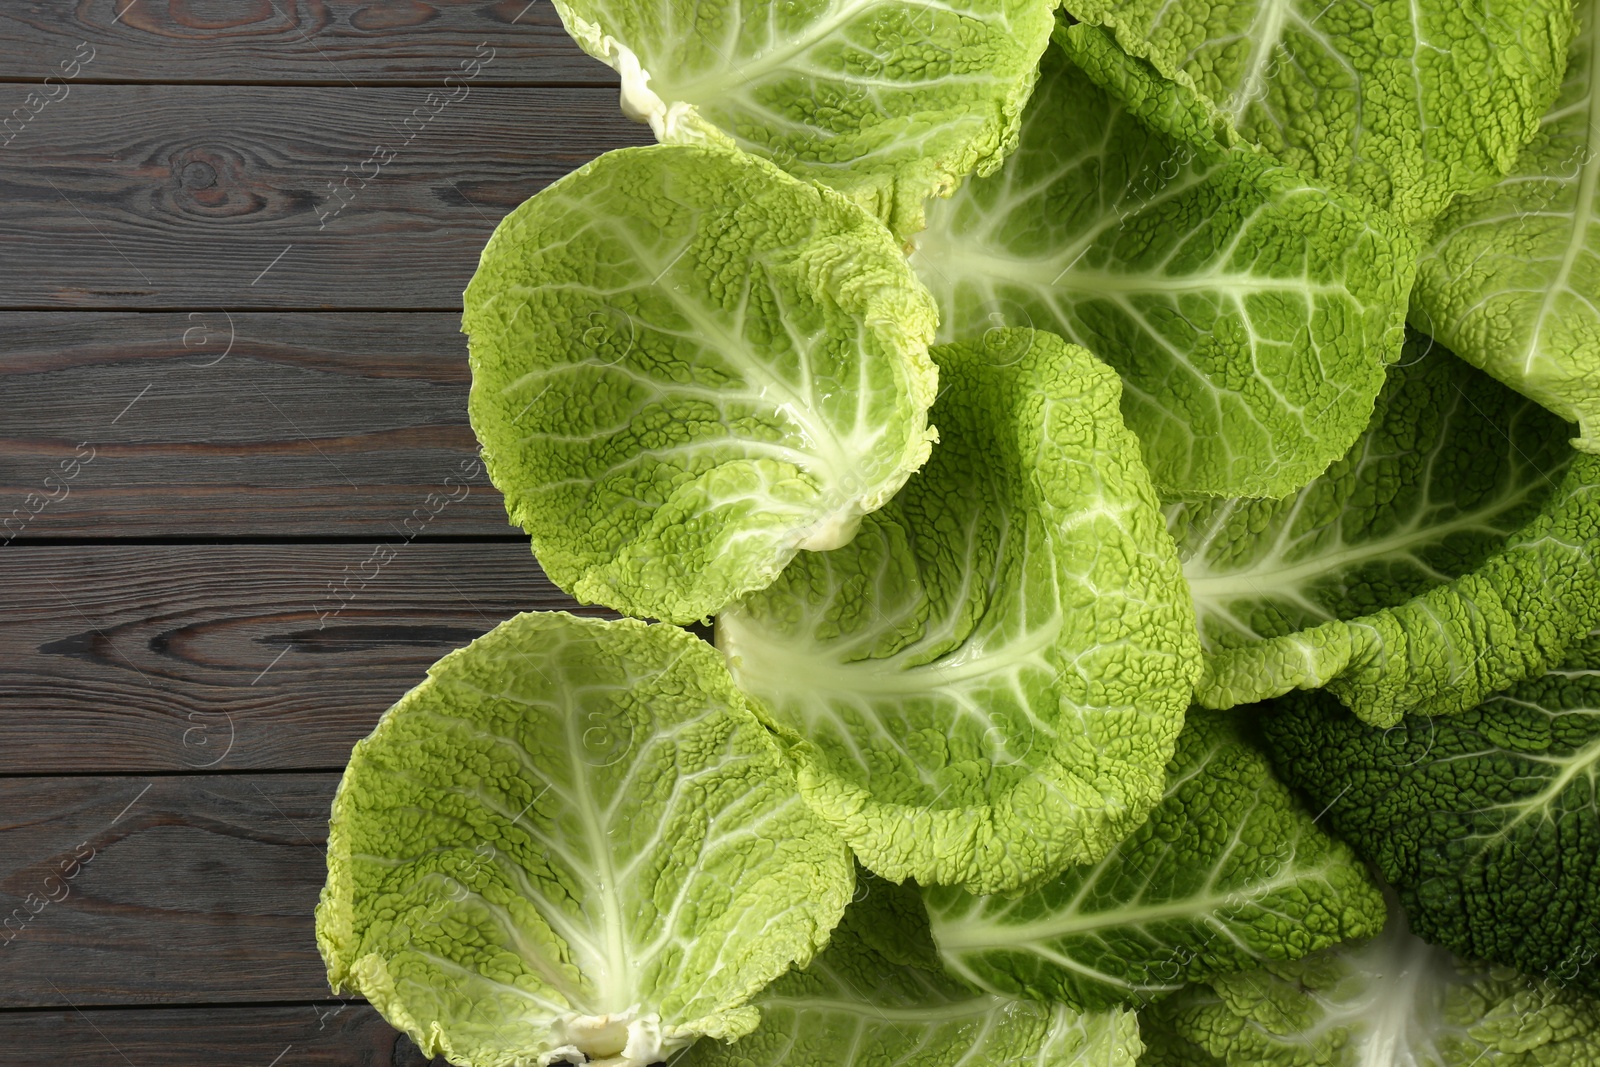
[[201, 198], [192, 889], [259, 424], [365, 42], [215, 657], [328, 1034], [195, 292]]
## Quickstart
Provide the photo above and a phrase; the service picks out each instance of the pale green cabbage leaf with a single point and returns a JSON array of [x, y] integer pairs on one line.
[[1227, 872], [1250, 313], [1511, 281], [1394, 1001], [1486, 822], [1404, 103], [986, 684], [687, 366], [1448, 554], [889, 102], [573, 840], [876, 996]]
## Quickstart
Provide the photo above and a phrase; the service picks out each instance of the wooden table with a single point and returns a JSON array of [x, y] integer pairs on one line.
[[230, 370]]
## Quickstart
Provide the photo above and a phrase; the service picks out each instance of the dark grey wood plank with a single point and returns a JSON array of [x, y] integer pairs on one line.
[[313, 1035], [368, 42], [257, 423], [160, 657], [200, 197], [195, 889]]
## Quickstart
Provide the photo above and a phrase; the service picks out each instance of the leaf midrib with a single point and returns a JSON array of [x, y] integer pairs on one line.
[[1582, 207], [982, 935], [1265, 33], [1052, 275], [884, 676], [1264, 582], [612, 988], [731, 72]]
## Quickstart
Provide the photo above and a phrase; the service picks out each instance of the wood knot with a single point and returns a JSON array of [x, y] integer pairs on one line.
[[214, 182], [199, 175]]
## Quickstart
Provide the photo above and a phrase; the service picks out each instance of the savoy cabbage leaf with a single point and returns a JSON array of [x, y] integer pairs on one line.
[[1394, 1001], [1249, 312], [687, 366], [985, 685], [889, 102], [1511, 281], [1486, 822], [1448, 554], [1227, 872], [876, 996], [573, 840], [1404, 103]]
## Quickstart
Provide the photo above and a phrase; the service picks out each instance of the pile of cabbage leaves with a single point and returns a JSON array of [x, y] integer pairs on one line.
[[1138, 463]]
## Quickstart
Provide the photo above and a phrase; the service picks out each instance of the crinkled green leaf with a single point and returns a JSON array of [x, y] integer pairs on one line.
[[1449, 553], [1395, 1001], [1512, 280], [1227, 872], [573, 838], [1249, 312], [888, 102], [985, 685], [687, 366], [1487, 822], [859, 1004], [1404, 103]]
